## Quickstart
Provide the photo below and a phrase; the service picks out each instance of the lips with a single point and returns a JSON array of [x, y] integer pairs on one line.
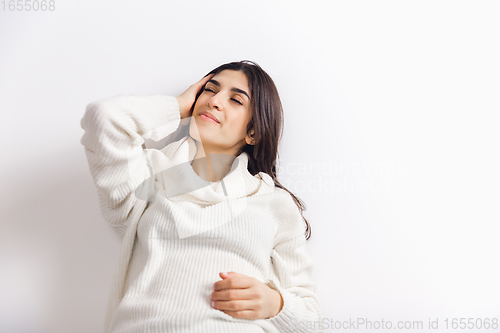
[[209, 115]]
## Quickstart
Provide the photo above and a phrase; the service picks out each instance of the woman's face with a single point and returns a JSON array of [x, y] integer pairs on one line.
[[227, 97]]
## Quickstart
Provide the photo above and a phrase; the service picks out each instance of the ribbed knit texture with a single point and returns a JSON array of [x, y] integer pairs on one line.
[[179, 231]]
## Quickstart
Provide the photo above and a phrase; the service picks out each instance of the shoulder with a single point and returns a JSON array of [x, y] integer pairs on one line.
[[286, 212], [284, 197], [266, 180], [279, 199]]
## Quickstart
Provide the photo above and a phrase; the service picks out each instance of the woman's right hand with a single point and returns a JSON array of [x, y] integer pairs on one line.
[[186, 99]]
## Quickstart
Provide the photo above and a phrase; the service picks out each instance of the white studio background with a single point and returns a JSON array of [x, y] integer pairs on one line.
[[391, 139]]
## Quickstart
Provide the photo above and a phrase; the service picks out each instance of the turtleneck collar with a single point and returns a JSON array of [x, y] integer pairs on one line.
[[201, 205], [182, 183]]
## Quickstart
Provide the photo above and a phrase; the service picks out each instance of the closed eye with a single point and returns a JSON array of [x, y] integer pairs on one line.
[[233, 99]]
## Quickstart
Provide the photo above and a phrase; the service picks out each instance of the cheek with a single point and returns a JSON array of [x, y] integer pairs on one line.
[[202, 99], [236, 127], [198, 102]]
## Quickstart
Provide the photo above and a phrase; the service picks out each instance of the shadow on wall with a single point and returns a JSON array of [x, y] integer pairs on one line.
[[57, 253]]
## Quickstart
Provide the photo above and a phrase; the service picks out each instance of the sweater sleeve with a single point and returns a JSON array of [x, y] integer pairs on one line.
[[293, 269], [115, 129]]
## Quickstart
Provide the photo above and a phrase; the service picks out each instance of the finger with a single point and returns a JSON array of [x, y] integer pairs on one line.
[[230, 274], [233, 294], [234, 282], [204, 80], [208, 77], [238, 305], [188, 96]]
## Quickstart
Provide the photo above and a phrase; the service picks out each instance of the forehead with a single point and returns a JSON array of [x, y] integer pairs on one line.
[[231, 78]]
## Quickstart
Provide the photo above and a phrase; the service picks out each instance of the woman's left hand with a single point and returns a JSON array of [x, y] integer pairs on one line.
[[245, 297]]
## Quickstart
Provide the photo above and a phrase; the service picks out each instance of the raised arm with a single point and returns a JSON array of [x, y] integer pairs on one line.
[[115, 129]]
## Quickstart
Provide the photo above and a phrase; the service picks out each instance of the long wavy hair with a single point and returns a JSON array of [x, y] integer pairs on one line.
[[266, 121]]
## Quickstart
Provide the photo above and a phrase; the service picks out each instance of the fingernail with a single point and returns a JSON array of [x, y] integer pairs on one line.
[[225, 273], [213, 287], [213, 304]]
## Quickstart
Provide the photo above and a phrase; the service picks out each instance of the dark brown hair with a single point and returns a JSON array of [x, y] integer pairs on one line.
[[267, 122]]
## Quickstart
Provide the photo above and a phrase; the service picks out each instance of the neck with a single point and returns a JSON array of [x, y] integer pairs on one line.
[[212, 164]]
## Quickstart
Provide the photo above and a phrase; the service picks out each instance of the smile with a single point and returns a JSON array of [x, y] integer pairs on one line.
[[207, 118]]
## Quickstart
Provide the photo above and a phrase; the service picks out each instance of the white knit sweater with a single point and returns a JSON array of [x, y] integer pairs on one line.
[[179, 231]]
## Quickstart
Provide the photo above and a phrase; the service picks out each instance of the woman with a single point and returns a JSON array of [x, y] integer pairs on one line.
[[211, 241]]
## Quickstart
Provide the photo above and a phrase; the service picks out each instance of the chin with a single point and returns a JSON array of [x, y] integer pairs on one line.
[[201, 133]]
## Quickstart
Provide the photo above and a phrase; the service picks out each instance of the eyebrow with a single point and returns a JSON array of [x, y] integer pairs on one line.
[[232, 89]]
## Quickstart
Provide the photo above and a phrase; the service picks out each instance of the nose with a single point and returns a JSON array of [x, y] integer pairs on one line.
[[214, 102]]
